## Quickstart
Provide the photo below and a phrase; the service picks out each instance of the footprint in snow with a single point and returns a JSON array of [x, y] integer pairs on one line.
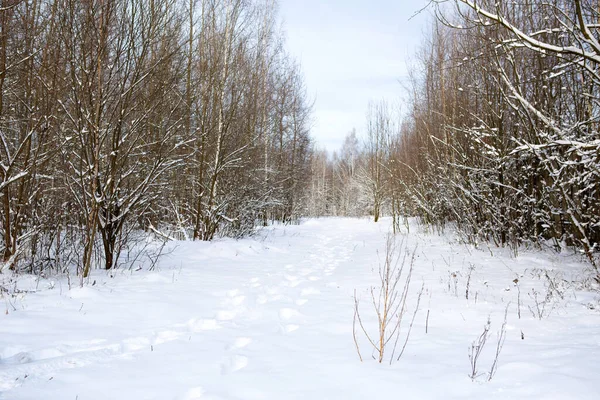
[[19, 358], [238, 300], [254, 282], [288, 313], [135, 343], [240, 343], [261, 299], [225, 315], [292, 281], [234, 363], [290, 328], [192, 394], [203, 325], [272, 290], [166, 336], [309, 290]]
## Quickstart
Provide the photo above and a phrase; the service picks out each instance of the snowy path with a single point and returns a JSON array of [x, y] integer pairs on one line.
[[272, 319]]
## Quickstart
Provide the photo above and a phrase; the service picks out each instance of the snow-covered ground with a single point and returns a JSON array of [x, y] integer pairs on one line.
[[271, 318]]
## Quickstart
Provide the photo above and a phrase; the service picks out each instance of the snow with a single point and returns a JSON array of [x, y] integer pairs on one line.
[[271, 318]]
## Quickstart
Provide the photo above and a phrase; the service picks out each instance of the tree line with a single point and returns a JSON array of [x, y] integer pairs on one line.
[[501, 134], [187, 119], [180, 118]]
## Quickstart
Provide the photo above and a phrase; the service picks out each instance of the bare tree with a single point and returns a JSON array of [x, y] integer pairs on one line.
[[126, 115], [380, 128], [27, 32], [502, 134]]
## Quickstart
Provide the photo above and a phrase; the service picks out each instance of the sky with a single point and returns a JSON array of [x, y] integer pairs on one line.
[[351, 52]]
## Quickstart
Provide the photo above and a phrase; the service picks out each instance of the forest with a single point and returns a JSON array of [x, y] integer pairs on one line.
[[500, 137], [172, 228], [126, 119]]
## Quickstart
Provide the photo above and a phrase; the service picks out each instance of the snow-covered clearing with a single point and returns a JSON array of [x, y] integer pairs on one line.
[[271, 318]]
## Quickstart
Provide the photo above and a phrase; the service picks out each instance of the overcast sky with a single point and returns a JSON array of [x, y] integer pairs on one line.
[[351, 52]]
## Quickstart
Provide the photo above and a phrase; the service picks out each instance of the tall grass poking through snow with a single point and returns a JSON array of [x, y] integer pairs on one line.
[[389, 303]]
